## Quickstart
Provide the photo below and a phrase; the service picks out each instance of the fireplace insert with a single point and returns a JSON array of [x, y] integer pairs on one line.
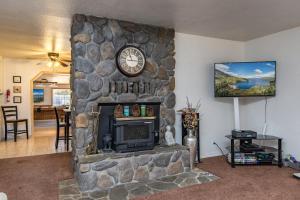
[[120, 134], [133, 134]]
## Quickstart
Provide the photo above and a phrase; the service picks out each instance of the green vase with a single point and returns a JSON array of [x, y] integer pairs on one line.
[[143, 110]]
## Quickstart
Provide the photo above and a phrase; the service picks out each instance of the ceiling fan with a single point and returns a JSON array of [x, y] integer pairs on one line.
[[51, 52], [54, 58]]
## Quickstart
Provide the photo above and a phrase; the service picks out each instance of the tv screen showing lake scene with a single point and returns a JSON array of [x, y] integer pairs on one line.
[[38, 95], [242, 79]]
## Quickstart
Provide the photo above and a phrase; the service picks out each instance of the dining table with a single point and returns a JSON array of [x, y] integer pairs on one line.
[[67, 113]]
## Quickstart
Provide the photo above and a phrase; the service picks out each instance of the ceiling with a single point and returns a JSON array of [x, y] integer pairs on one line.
[[34, 27]]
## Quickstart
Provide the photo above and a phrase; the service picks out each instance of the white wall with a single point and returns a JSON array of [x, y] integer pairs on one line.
[[195, 57], [284, 109], [27, 69], [1, 95], [1, 77]]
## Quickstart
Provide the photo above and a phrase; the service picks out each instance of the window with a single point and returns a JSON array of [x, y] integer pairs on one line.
[[61, 97]]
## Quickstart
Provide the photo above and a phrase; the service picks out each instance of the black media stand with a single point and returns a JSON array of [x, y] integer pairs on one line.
[[239, 156]]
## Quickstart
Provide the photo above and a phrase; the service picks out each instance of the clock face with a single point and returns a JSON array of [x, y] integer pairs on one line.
[[131, 61]]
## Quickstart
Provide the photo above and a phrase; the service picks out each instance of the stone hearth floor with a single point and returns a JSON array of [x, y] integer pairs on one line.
[[69, 190]]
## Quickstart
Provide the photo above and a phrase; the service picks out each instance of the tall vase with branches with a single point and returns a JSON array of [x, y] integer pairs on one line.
[[190, 122]]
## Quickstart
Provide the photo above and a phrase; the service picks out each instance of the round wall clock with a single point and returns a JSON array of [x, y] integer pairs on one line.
[[131, 60]]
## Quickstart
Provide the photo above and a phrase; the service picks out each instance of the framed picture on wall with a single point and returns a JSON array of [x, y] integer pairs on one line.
[[17, 79], [38, 95], [17, 89], [17, 99]]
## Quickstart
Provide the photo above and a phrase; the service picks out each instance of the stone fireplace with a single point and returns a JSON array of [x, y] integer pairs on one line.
[[96, 82]]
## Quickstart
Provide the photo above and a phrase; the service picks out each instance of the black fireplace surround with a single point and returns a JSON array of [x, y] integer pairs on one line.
[[127, 134]]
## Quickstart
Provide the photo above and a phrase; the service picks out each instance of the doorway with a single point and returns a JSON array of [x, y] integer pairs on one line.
[[40, 94], [49, 91]]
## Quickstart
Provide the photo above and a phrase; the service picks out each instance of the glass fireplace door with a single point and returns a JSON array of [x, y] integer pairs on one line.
[[133, 135]]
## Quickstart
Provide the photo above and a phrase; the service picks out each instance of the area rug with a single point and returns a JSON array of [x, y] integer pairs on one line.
[[69, 189]]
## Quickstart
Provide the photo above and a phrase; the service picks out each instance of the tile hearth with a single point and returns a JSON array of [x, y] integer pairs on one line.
[[69, 189]]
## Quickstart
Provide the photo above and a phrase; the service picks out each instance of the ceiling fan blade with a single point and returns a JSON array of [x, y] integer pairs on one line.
[[66, 60], [63, 64], [41, 63], [65, 54]]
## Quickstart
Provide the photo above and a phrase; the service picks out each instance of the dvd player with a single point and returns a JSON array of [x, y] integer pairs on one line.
[[250, 147], [244, 134]]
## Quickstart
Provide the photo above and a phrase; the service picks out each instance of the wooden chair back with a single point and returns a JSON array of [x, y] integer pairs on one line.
[[56, 117], [10, 113]]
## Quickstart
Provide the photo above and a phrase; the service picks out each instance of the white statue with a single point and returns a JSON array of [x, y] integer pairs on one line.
[[169, 136], [3, 196]]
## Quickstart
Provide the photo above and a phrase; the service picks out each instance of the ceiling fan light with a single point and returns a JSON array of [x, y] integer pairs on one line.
[[49, 64], [53, 56], [56, 64]]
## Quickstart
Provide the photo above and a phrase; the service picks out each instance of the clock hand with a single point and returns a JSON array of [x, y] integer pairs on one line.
[[132, 60], [130, 55]]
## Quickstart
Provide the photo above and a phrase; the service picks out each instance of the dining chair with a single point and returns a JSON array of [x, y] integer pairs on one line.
[[60, 124], [10, 116]]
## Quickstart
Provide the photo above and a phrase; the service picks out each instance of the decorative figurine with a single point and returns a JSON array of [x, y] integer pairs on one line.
[[169, 136], [136, 112], [149, 111], [118, 112], [107, 143]]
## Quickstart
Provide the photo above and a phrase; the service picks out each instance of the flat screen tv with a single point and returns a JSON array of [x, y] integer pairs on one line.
[[243, 79], [38, 95]]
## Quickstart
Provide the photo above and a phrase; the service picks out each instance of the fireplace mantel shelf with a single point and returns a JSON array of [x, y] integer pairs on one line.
[[134, 118], [113, 155]]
